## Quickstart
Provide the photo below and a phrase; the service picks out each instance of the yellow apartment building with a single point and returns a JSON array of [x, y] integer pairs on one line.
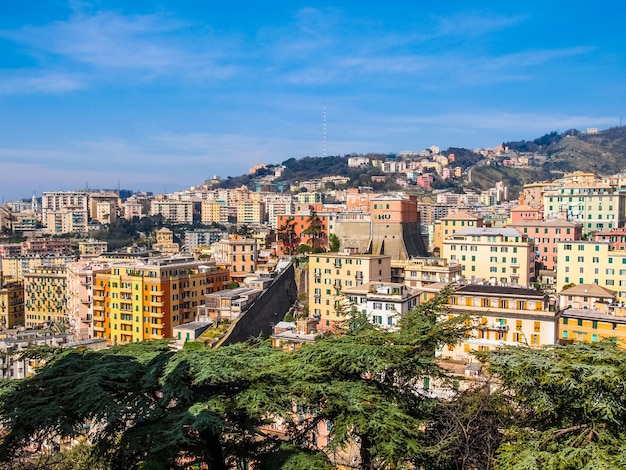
[[592, 262], [329, 273], [452, 223], [11, 303], [145, 300], [605, 321], [45, 294], [501, 316], [496, 255]]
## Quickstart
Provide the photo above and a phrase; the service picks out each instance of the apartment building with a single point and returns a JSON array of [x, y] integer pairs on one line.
[[144, 300], [496, 255], [546, 234], [53, 201], [329, 273], [91, 247], [250, 212], [616, 236], [202, 237], [501, 316], [423, 271], [239, 255], [11, 303], [173, 210], [80, 281], [606, 321], [452, 223], [597, 206], [383, 303], [69, 219], [45, 294], [592, 262], [103, 206], [218, 211]]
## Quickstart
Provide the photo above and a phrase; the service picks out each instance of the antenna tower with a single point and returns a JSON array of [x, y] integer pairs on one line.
[[324, 129]]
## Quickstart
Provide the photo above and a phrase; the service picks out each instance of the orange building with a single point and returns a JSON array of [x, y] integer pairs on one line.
[[145, 300], [300, 223]]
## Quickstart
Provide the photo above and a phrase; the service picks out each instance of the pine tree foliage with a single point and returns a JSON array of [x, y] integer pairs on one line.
[[143, 406], [571, 406]]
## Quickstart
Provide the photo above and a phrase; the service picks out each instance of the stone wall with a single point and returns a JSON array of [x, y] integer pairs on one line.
[[266, 311]]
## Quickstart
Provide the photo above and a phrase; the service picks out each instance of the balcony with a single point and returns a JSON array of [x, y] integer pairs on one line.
[[88, 318], [496, 327], [98, 328], [317, 296], [157, 304], [157, 314], [156, 337], [98, 297], [98, 308]]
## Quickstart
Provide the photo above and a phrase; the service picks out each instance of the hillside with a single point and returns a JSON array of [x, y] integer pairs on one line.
[[550, 156]]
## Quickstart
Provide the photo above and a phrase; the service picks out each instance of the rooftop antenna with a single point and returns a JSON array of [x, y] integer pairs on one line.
[[324, 129]]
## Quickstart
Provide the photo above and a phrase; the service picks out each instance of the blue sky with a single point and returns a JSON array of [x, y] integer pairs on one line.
[[162, 95]]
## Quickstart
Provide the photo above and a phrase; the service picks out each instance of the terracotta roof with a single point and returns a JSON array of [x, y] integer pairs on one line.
[[590, 290]]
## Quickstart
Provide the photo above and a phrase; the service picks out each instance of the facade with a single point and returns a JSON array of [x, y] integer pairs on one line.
[[54, 201], [452, 223], [239, 255], [496, 255], [546, 235], [11, 303], [69, 219], [80, 281], [420, 272], [583, 262], [103, 207], [616, 236], [45, 295], [595, 205], [501, 316], [91, 247], [605, 322], [396, 229], [145, 300], [382, 302], [173, 210], [292, 335], [329, 273], [585, 296], [165, 242], [250, 212], [202, 237]]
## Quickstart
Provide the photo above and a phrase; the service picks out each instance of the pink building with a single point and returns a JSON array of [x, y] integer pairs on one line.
[[547, 234], [524, 212], [617, 237]]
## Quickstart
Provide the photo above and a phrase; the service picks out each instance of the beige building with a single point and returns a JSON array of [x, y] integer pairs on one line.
[[91, 247], [420, 272], [329, 273], [173, 210], [165, 242], [80, 279], [53, 201], [103, 207], [250, 212], [69, 219], [501, 316], [496, 255]]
